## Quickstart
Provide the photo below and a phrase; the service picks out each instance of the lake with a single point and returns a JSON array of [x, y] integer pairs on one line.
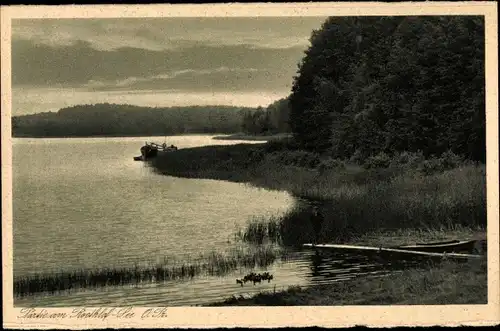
[[83, 203]]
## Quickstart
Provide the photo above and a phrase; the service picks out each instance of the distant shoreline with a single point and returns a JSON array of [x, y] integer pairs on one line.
[[244, 136], [111, 120], [121, 135], [217, 136]]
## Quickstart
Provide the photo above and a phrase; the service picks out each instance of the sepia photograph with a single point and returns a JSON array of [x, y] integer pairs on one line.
[[248, 160]]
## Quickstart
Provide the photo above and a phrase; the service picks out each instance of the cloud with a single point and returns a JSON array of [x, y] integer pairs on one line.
[[194, 67], [191, 75], [209, 57], [159, 34]]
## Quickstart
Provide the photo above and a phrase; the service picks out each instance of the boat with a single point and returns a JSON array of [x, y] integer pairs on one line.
[[150, 150], [393, 252], [439, 243], [454, 246]]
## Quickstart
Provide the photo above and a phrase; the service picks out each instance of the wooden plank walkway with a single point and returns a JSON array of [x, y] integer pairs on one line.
[[393, 250]]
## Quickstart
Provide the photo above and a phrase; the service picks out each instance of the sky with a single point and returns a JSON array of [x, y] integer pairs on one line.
[[239, 61]]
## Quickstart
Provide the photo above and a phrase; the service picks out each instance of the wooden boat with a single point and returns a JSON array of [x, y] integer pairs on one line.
[[454, 246], [439, 243], [150, 150], [393, 252]]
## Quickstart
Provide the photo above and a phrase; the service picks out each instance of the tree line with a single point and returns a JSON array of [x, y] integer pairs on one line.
[[370, 85], [112, 120], [270, 120], [365, 86], [123, 120]]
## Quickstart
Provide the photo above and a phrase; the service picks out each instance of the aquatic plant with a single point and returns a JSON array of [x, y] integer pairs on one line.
[[434, 204], [212, 264], [260, 230], [354, 200]]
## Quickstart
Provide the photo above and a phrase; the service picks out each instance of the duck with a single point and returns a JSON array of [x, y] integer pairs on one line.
[[257, 279], [250, 277], [269, 278]]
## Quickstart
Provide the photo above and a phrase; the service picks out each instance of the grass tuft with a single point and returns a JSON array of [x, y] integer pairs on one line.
[[211, 264]]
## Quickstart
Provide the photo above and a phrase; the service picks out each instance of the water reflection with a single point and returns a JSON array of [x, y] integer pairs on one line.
[[110, 211], [83, 203], [327, 267], [302, 268]]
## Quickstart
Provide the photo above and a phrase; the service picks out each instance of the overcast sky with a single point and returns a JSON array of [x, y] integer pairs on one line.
[[237, 59]]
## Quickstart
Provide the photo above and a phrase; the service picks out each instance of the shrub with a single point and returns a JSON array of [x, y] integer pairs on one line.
[[330, 163], [407, 159], [451, 160], [446, 161], [298, 158], [357, 157], [380, 160], [256, 154], [283, 144]]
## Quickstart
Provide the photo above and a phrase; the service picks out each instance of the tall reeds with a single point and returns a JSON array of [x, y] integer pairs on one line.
[[403, 201], [213, 264], [354, 199], [262, 230]]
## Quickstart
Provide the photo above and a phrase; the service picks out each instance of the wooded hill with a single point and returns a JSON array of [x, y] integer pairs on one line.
[[390, 84], [126, 120], [366, 86], [270, 120]]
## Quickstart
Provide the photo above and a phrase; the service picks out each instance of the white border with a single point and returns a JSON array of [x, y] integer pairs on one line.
[[270, 316]]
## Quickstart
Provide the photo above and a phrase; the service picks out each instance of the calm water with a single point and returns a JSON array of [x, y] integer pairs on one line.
[[84, 203]]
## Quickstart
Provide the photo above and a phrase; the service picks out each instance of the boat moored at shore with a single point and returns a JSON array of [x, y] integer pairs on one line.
[[453, 249], [453, 246], [150, 150]]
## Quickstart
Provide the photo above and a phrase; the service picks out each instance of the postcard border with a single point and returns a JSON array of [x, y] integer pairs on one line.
[[451, 315]]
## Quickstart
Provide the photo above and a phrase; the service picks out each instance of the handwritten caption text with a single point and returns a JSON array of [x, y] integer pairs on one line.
[[95, 313]]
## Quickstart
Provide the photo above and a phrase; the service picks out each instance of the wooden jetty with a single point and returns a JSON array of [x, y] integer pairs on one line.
[[392, 251]]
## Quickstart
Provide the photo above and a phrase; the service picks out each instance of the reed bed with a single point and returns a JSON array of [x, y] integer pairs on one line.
[[261, 230], [352, 199], [213, 264], [450, 202]]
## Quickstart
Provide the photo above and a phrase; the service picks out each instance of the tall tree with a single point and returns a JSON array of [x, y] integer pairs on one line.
[[388, 84]]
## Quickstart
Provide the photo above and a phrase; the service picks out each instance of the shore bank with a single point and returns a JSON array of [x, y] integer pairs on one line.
[[244, 136], [400, 203], [354, 201], [438, 284]]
